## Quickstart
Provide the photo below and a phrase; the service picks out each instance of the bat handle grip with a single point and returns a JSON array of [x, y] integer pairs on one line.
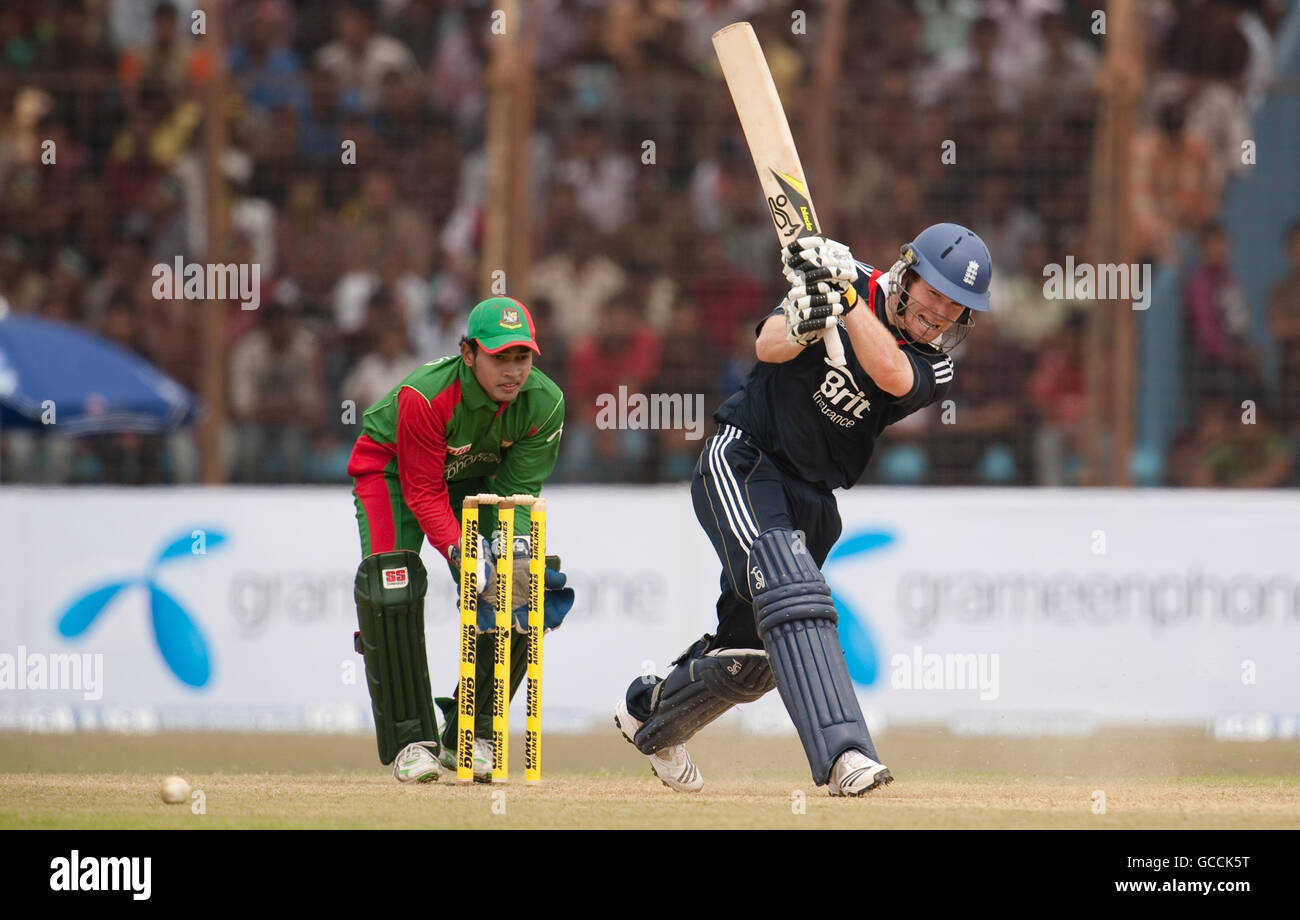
[[834, 347]]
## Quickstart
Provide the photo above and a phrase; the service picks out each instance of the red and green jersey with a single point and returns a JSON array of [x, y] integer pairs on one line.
[[438, 426]]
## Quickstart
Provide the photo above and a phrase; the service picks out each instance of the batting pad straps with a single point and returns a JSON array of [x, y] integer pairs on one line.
[[783, 572], [389, 594], [796, 620], [700, 689]]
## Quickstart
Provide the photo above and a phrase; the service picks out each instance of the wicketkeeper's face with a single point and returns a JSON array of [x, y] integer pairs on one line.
[[927, 313], [503, 374]]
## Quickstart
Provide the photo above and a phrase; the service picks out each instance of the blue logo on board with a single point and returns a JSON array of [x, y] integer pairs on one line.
[[855, 633], [179, 639]]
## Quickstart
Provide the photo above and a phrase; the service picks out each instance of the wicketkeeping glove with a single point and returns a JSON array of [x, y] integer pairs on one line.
[[557, 601], [485, 562]]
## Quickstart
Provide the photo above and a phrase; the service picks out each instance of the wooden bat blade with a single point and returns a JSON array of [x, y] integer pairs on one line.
[[762, 118], [767, 131]]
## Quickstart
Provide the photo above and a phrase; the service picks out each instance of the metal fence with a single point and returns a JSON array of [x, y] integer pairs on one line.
[[386, 165]]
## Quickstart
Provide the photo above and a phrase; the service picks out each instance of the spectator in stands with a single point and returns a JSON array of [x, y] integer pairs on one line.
[[601, 178], [947, 24], [1025, 316], [688, 368], [1221, 357], [76, 66], [439, 331], [732, 295], [121, 327], [1058, 78], [983, 436], [126, 263], [975, 83], [577, 278], [1226, 451], [455, 80], [593, 80], [418, 22], [1171, 185], [1005, 224], [381, 368], [275, 397], [262, 67], [1057, 389], [1284, 315], [166, 59], [378, 223], [359, 57], [401, 117], [620, 355], [308, 241]]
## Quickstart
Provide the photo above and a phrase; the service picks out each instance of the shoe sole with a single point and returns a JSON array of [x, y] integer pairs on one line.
[[883, 778], [622, 731]]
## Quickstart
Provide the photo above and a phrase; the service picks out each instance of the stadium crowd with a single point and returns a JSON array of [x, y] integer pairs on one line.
[[369, 266]]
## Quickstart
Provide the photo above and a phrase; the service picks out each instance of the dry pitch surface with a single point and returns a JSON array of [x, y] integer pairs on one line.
[[1150, 778]]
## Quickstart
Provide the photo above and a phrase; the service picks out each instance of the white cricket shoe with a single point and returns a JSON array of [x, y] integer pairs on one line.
[[417, 763], [672, 765], [854, 773]]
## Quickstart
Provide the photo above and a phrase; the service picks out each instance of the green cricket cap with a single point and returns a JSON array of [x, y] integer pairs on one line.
[[499, 322]]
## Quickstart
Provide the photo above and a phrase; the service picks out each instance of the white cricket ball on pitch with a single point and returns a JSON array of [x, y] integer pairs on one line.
[[174, 790]]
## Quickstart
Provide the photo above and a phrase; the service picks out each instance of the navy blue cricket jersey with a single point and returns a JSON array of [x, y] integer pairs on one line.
[[816, 421]]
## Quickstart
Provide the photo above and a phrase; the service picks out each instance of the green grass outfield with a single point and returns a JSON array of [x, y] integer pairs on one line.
[[1158, 778]]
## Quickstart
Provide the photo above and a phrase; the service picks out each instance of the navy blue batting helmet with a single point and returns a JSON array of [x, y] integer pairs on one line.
[[954, 261]]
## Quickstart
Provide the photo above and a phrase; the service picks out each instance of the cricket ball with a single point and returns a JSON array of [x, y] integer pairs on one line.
[[174, 790]]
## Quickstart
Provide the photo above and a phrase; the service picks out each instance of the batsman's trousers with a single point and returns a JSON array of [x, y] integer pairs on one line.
[[739, 492]]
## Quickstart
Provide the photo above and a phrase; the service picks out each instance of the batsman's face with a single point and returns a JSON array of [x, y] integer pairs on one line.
[[503, 374], [929, 313]]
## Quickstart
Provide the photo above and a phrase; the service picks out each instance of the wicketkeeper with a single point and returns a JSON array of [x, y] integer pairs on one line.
[[484, 420], [799, 428]]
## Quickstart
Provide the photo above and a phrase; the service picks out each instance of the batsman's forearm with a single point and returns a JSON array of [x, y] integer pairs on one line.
[[771, 346], [877, 351]]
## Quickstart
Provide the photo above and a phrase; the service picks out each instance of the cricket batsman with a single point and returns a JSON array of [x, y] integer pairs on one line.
[[484, 420], [799, 428]]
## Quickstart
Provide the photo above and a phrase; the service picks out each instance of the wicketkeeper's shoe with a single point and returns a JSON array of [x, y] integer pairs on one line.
[[672, 765], [854, 773], [482, 760], [417, 763], [483, 752]]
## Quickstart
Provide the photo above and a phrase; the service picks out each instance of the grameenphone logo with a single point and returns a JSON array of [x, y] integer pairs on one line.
[[855, 633], [179, 639]]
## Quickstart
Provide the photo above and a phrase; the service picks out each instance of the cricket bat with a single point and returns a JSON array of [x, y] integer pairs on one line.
[[768, 133]]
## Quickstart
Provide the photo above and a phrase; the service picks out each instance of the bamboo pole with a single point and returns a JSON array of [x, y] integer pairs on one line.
[[825, 77], [501, 155], [212, 343], [1110, 373]]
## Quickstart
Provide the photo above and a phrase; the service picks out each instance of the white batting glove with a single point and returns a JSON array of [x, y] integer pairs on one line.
[[814, 258], [795, 320]]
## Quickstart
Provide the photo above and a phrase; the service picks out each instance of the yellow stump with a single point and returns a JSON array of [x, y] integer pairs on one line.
[[468, 638], [536, 625], [469, 536], [501, 645]]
